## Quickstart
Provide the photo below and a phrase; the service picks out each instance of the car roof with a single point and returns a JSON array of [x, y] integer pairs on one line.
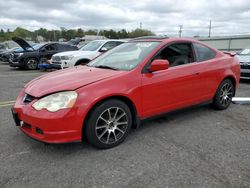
[[163, 39]]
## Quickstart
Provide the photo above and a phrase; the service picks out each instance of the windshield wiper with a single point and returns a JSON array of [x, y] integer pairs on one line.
[[106, 67]]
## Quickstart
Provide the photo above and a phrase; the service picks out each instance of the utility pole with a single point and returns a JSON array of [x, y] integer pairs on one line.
[[140, 25], [210, 27], [180, 31]]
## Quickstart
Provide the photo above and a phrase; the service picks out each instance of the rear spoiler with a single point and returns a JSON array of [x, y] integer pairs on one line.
[[232, 54]]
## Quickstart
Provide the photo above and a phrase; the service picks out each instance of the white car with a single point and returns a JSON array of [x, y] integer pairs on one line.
[[244, 59], [83, 55]]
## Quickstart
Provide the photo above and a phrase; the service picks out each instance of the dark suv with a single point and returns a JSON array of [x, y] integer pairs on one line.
[[30, 57]]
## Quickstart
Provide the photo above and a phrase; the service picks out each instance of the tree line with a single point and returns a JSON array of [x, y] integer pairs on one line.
[[55, 35]]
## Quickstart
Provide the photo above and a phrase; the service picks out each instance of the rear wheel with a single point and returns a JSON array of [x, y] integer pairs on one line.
[[31, 64], [224, 95], [108, 124]]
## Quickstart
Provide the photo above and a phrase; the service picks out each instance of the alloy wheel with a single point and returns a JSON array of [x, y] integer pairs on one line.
[[32, 64], [111, 125], [226, 94]]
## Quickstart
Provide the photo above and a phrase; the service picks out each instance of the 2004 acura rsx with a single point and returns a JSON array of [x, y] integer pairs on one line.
[[145, 77]]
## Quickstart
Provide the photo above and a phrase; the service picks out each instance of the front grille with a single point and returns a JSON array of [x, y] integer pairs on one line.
[[243, 74], [28, 98], [245, 65], [56, 58]]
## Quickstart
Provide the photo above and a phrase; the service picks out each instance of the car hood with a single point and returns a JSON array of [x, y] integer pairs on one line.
[[25, 45], [243, 58], [75, 53], [68, 79]]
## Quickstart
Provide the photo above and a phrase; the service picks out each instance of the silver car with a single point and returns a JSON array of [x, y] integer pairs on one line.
[[244, 59]]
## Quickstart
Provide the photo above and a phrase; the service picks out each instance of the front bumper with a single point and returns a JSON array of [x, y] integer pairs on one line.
[[61, 64], [245, 70], [245, 73], [16, 63], [58, 127]]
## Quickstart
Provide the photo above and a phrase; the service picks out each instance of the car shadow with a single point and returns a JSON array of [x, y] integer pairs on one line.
[[165, 119], [158, 122]]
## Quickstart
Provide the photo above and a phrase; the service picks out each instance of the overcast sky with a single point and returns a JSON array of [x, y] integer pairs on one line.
[[228, 17]]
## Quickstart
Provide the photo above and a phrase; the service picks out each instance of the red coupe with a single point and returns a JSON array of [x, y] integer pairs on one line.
[[144, 77]]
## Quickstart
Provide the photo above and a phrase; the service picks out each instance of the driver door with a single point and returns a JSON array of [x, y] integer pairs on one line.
[[173, 88], [48, 51]]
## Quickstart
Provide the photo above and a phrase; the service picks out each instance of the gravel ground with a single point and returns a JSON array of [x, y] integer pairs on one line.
[[199, 147]]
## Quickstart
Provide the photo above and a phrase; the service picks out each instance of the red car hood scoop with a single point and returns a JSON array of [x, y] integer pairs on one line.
[[68, 79]]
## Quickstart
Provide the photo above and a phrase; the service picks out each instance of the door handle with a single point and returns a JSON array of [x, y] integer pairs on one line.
[[197, 73]]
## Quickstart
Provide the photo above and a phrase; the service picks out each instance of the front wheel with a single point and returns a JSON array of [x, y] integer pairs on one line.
[[224, 95], [31, 64], [108, 124]]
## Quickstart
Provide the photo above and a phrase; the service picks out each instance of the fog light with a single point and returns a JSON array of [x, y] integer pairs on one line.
[[39, 131]]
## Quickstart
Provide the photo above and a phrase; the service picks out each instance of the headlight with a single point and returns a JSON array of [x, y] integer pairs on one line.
[[57, 101], [67, 57], [19, 54]]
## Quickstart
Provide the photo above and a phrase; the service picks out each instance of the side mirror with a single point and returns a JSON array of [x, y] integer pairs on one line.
[[103, 49], [158, 64]]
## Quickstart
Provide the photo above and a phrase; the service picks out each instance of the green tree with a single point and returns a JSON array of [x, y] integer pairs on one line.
[[140, 33], [80, 32]]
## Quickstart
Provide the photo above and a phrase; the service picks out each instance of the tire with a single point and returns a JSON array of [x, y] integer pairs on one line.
[[108, 124], [31, 63], [224, 95]]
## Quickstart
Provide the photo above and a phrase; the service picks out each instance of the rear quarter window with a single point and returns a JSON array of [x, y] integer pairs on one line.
[[203, 53]]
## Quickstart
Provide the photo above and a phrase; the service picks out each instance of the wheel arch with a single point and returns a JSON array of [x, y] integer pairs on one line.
[[82, 60], [32, 57], [232, 79], [126, 100]]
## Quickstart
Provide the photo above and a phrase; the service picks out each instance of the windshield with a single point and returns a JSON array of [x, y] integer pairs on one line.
[[124, 57], [37, 46], [245, 51], [92, 46]]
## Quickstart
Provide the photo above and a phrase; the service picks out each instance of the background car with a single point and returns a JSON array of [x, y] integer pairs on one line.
[[2, 47], [5, 54], [84, 54], [244, 59], [31, 55]]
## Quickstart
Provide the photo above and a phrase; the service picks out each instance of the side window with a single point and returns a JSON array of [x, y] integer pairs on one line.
[[118, 43], [203, 53], [51, 47], [61, 47], [177, 54], [110, 45]]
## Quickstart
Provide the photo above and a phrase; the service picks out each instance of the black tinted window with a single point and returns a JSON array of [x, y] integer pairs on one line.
[[51, 47], [203, 53], [63, 47]]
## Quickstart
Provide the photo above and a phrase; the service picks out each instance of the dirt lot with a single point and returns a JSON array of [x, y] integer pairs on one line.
[[199, 147]]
